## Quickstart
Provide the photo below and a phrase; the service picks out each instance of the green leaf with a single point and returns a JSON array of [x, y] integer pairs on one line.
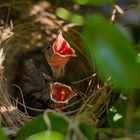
[[88, 131], [69, 16], [47, 135], [138, 58], [63, 13], [117, 114], [135, 125], [56, 121], [2, 135], [112, 53], [32, 127], [94, 2]]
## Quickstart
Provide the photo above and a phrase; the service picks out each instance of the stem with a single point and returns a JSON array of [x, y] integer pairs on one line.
[[129, 112]]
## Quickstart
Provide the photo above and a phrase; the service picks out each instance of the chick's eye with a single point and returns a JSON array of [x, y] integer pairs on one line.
[[48, 47]]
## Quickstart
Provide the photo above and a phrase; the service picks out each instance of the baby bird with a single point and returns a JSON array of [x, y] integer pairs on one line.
[[38, 68], [59, 55]]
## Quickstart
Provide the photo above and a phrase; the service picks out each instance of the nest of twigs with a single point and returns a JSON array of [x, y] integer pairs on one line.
[[41, 26], [11, 117]]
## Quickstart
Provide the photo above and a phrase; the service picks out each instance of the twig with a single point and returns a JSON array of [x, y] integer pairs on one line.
[[21, 93], [116, 10]]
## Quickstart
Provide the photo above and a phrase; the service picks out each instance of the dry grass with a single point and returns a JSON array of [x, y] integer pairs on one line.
[[10, 116]]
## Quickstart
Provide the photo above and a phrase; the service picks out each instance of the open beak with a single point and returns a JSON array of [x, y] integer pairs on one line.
[[62, 52], [60, 94]]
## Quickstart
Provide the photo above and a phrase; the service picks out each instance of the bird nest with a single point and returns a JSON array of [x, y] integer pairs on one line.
[[41, 26], [11, 117]]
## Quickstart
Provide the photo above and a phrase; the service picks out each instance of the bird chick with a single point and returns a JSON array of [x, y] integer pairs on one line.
[[60, 94], [36, 70], [60, 54]]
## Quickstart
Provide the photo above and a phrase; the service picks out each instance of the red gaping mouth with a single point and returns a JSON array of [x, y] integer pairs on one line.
[[62, 52], [62, 47], [61, 93]]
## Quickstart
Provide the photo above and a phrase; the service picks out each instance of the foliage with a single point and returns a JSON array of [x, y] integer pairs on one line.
[[117, 114], [57, 126], [47, 135], [117, 62], [3, 135], [110, 50], [95, 2]]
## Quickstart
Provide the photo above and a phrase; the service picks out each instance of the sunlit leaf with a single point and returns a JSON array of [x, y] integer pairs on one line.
[[77, 19], [112, 53], [117, 117], [63, 13], [69, 16], [95, 2], [32, 127], [47, 135], [117, 113], [138, 58]]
